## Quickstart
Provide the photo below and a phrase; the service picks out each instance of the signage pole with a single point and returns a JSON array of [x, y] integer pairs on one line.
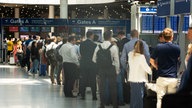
[[168, 22], [172, 7], [181, 40]]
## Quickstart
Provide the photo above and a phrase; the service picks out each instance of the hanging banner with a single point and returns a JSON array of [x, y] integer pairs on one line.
[[182, 6], [163, 7]]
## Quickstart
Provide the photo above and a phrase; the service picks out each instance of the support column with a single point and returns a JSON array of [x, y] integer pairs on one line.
[[17, 15], [51, 15], [73, 14], [106, 13], [64, 9]]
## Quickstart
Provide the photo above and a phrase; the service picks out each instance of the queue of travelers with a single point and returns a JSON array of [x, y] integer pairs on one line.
[[88, 62]]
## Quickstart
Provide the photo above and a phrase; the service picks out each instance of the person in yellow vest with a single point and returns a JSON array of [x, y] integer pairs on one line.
[[9, 48]]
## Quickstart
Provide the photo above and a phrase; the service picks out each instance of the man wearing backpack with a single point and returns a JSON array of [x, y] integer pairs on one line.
[[106, 56], [51, 58]]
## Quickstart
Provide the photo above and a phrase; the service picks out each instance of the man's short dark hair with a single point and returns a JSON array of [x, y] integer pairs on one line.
[[107, 35], [121, 33], [134, 33], [89, 34], [71, 38]]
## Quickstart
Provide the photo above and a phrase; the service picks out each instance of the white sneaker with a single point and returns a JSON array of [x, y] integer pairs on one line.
[[30, 74]]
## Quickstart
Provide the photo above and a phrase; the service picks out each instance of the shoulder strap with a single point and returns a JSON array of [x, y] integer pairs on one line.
[[109, 46], [100, 47]]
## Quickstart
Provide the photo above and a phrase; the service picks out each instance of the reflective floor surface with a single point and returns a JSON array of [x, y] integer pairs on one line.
[[18, 90]]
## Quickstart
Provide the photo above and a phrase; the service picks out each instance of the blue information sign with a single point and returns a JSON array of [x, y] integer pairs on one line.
[[92, 22], [33, 22], [148, 10], [182, 6], [163, 7]]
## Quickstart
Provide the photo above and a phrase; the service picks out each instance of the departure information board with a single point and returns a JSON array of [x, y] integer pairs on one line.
[[152, 24], [159, 24], [174, 23], [147, 23], [186, 24]]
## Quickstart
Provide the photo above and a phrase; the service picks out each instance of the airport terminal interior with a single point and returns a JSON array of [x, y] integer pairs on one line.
[[62, 18]]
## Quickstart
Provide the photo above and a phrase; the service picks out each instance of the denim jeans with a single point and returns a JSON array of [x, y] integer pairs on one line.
[[120, 88], [137, 94], [35, 66], [43, 68]]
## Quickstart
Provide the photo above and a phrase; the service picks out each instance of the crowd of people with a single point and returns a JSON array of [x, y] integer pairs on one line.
[[87, 62]]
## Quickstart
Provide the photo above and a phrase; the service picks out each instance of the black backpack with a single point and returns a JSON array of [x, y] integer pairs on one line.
[[104, 60], [59, 58], [51, 56]]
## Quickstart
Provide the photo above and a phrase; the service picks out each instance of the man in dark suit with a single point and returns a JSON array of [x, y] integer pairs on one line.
[[87, 66]]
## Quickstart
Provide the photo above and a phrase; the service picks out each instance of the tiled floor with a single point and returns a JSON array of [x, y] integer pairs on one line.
[[18, 90]]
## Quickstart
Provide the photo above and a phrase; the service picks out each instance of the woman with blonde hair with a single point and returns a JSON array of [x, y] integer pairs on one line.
[[138, 74]]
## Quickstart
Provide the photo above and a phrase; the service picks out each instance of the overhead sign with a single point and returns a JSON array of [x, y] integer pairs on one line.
[[148, 10], [163, 7], [61, 22], [91, 22], [33, 22], [182, 6], [55, 2]]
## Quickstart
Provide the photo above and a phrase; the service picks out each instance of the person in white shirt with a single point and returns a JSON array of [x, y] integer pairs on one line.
[[138, 72], [114, 70], [70, 65]]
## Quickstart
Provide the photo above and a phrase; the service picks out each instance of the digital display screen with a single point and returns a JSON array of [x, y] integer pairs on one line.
[[147, 24], [186, 23], [76, 30], [159, 24], [174, 23], [35, 29], [24, 29], [46, 29], [13, 29], [97, 32]]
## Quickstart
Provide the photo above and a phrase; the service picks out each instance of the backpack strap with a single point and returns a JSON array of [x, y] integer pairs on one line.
[[100, 47], [109, 46]]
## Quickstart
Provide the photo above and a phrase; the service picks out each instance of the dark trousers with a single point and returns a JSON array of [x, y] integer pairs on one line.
[[70, 74], [112, 81], [52, 73], [58, 72], [88, 79], [137, 94], [28, 63]]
